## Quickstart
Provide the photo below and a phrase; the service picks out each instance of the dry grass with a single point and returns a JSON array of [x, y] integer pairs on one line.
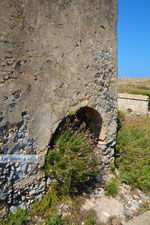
[[128, 84]]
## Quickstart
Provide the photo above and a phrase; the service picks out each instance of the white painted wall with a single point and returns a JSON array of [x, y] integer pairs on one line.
[[138, 107]]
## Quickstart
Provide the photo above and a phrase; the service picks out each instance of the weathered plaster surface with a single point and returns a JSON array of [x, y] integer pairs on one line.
[[56, 56]]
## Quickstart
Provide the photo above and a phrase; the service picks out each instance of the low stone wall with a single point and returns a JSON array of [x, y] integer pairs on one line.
[[133, 104]]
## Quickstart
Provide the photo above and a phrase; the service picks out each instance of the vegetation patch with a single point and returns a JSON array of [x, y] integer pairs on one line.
[[72, 161], [133, 162], [19, 218], [55, 220], [50, 203], [112, 188]]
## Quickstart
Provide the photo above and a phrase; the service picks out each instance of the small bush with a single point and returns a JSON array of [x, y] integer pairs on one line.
[[111, 188], [121, 114], [72, 161]]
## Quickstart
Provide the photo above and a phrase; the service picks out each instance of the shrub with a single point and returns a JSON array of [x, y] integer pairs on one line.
[[133, 141], [72, 161]]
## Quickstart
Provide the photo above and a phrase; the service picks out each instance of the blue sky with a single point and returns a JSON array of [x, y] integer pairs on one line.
[[134, 38]]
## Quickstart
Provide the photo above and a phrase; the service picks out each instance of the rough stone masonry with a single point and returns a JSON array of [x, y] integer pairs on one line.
[[55, 56]]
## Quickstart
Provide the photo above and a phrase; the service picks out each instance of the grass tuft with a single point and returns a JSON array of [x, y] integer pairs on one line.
[[112, 188]]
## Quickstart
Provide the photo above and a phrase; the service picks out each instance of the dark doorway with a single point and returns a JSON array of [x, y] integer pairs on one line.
[[85, 118]]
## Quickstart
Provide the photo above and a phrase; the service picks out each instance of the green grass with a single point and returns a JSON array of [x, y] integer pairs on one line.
[[111, 188], [133, 147], [48, 206], [55, 220], [19, 218]]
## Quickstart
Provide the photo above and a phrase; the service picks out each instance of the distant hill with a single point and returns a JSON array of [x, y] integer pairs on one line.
[[136, 84]]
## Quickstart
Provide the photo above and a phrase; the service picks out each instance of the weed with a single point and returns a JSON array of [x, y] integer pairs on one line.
[[90, 219], [111, 188], [70, 163]]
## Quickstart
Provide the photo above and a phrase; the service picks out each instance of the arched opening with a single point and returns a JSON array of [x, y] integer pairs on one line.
[[72, 158], [92, 119], [85, 117], [129, 111]]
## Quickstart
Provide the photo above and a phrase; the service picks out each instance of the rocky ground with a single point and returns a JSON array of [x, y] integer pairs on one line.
[[143, 219], [126, 206]]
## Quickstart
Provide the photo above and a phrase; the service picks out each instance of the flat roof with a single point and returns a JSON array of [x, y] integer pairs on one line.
[[131, 96]]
